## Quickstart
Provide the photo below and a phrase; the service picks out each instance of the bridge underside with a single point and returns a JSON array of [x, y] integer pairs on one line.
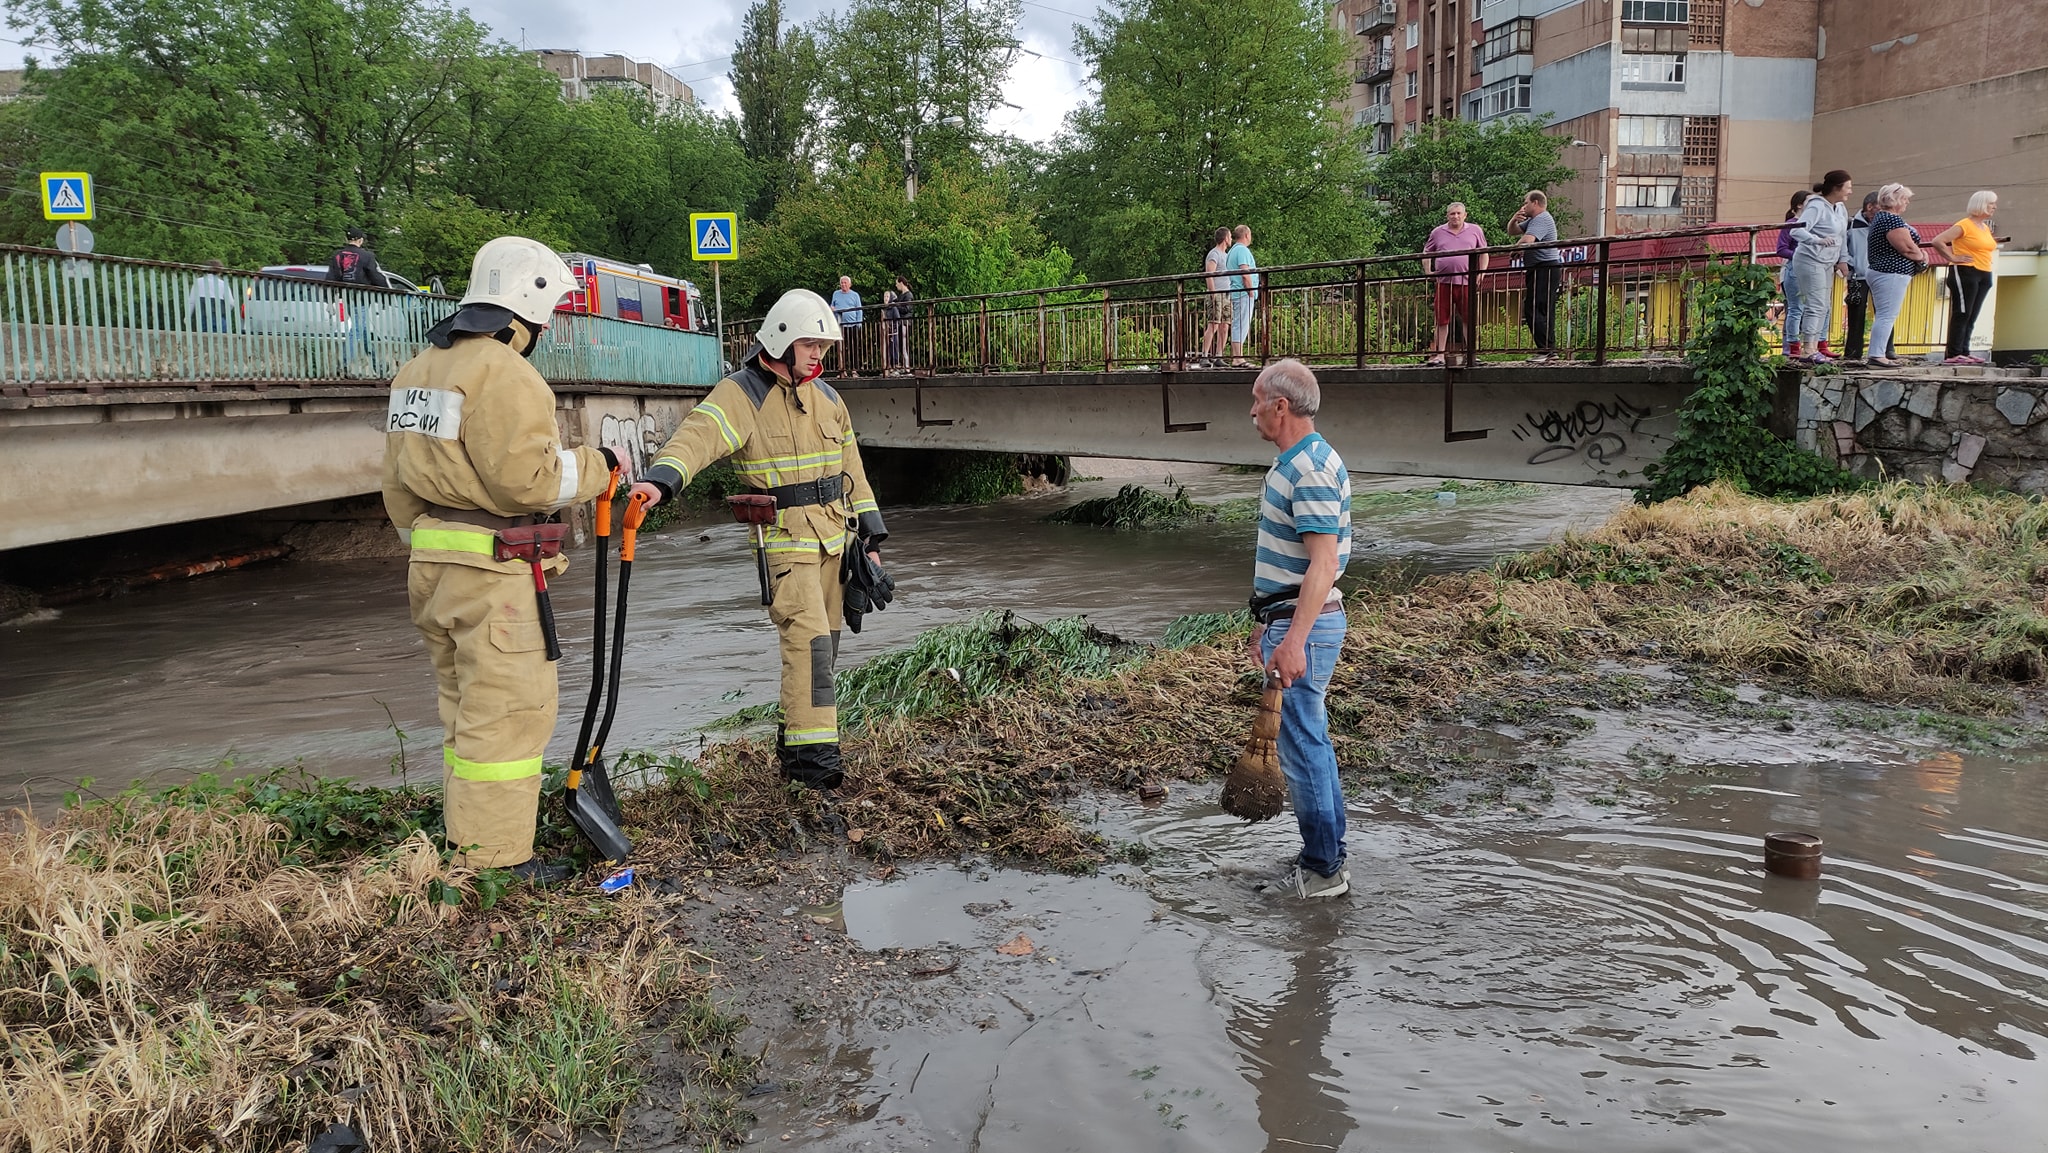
[[1552, 424], [80, 465]]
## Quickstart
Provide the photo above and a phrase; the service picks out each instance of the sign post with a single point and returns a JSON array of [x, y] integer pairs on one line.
[[714, 238]]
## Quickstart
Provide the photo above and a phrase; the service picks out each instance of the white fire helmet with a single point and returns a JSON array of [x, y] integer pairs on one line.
[[800, 314], [520, 274]]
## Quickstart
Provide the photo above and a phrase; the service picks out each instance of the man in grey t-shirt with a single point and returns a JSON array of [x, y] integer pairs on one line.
[[1542, 269]]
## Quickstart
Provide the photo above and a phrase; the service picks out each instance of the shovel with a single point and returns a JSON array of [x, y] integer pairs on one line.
[[595, 781], [598, 826], [757, 509]]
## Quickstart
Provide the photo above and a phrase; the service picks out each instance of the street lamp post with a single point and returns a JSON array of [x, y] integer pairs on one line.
[[1576, 143], [910, 158]]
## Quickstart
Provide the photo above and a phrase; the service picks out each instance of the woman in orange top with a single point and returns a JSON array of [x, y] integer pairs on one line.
[[1970, 277]]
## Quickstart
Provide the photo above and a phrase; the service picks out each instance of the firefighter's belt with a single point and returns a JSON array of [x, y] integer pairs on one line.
[[824, 490], [531, 543], [479, 518]]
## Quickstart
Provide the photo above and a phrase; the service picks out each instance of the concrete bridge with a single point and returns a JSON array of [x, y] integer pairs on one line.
[[127, 401]]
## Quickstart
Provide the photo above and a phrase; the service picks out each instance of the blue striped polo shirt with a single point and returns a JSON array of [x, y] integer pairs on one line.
[[1307, 490]]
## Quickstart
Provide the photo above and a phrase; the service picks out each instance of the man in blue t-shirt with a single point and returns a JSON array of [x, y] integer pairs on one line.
[[846, 308], [1304, 544], [1244, 290]]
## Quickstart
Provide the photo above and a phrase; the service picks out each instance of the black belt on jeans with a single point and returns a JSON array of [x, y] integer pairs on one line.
[[1266, 614], [823, 490]]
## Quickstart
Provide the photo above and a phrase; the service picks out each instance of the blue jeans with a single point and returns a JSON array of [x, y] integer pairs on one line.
[[1306, 754]]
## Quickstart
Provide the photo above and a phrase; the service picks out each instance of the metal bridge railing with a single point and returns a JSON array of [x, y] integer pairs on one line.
[[1617, 297], [88, 322]]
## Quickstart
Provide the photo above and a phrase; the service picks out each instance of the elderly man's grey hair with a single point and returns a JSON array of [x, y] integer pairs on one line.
[[1292, 380]]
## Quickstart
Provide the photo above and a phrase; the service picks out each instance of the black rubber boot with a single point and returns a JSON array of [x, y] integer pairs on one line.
[[813, 766], [540, 875]]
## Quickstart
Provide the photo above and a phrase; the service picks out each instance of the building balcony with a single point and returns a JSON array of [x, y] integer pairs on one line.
[[1376, 66], [1374, 114], [1377, 17]]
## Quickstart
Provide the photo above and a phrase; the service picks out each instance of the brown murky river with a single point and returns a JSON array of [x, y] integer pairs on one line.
[[1581, 979]]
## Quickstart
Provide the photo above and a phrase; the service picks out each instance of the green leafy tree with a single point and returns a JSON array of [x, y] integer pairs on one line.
[[959, 237], [1490, 167], [930, 71], [775, 76], [1210, 113]]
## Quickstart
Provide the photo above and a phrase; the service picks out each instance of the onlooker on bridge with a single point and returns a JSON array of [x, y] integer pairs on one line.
[[847, 310], [1244, 291], [1213, 311], [1542, 268], [897, 321], [1303, 544], [1822, 235], [1895, 255], [1788, 245], [1452, 273], [211, 303], [1970, 276], [354, 264], [1856, 298]]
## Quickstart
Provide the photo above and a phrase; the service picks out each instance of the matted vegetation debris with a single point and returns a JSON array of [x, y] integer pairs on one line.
[[225, 967]]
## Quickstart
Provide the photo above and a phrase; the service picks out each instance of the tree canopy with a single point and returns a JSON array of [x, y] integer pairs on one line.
[[1490, 167], [1209, 113]]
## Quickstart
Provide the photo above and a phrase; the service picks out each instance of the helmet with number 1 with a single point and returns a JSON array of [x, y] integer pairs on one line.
[[800, 314], [519, 274]]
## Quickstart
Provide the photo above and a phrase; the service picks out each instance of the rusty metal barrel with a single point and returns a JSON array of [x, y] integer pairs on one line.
[[1792, 854]]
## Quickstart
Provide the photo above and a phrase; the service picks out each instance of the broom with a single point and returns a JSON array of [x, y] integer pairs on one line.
[[1255, 787]]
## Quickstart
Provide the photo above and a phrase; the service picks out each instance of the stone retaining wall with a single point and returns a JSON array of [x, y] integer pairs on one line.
[[1987, 426]]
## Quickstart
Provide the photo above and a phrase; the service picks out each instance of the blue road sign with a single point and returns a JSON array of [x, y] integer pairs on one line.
[[714, 235], [67, 196]]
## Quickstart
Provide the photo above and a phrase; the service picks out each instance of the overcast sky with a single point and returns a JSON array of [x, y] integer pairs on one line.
[[698, 47]]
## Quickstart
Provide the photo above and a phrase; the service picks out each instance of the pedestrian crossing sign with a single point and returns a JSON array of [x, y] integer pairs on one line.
[[714, 235], [67, 196]]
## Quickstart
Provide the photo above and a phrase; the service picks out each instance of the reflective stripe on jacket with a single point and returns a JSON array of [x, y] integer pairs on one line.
[[777, 434], [472, 426]]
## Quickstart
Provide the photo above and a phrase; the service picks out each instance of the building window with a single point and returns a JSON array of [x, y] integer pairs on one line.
[[1383, 94], [1502, 97], [1696, 201], [1655, 40], [1510, 39], [1414, 33], [1413, 85], [1702, 142], [1658, 193], [1660, 132], [1654, 11], [1653, 68]]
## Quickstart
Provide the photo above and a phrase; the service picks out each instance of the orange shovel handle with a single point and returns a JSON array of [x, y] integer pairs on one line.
[[604, 505], [636, 514]]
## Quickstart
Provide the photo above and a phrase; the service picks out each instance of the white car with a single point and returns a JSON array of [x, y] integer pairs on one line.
[[297, 299]]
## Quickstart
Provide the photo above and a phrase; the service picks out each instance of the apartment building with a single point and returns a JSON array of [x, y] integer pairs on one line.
[[581, 75], [1688, 112]]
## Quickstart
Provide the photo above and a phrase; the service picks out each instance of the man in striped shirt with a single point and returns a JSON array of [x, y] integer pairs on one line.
[[1304, 544]]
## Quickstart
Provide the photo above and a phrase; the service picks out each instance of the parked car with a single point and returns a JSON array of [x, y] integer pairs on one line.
[[297, 299]]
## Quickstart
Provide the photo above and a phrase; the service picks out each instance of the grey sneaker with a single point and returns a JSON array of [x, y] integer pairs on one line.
[[1310, 885]]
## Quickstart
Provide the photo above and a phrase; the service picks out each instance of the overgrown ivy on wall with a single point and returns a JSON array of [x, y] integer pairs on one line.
[[1724, 425]]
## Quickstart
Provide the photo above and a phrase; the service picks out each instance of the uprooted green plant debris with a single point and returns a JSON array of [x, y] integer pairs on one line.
[[1133, 507], [1137, 508], [198, 970]]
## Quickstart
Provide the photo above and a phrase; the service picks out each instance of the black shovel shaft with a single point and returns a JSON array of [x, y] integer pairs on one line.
[[547, 613], [611, 698], [596, 653]]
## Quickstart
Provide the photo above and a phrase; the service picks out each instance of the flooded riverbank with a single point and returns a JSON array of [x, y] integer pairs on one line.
[[244, 671], [1574, 982]]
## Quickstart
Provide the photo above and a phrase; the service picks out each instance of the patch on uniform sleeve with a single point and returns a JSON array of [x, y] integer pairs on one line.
[[436, 412]]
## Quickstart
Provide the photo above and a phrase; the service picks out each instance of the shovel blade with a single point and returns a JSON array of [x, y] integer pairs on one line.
[[597, 785], [597, 826]]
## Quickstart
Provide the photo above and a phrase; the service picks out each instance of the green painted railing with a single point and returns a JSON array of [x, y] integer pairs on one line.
[[79, 322]]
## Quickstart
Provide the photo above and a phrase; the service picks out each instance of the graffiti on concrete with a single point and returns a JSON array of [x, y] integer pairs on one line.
[[1595, 429], [634, 440]]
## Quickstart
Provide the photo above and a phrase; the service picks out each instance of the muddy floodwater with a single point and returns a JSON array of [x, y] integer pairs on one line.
[[300, 662], [1589, 980]]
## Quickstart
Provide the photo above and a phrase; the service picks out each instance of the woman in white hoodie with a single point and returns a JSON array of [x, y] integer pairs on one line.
[[1822, 255]]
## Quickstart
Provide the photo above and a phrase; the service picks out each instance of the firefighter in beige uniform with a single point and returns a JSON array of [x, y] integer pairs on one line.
[[789, 436], [472, 448]]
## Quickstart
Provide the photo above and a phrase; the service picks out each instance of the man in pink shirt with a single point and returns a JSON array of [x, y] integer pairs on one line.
[[1453, 273]]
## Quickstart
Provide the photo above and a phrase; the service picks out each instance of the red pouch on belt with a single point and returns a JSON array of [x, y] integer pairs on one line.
[[531, 543]]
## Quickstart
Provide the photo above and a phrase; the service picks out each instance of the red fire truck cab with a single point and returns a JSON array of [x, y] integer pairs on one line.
[[632, 292]]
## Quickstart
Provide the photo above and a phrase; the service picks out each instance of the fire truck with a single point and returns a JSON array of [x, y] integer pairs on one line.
[[633, 292]]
